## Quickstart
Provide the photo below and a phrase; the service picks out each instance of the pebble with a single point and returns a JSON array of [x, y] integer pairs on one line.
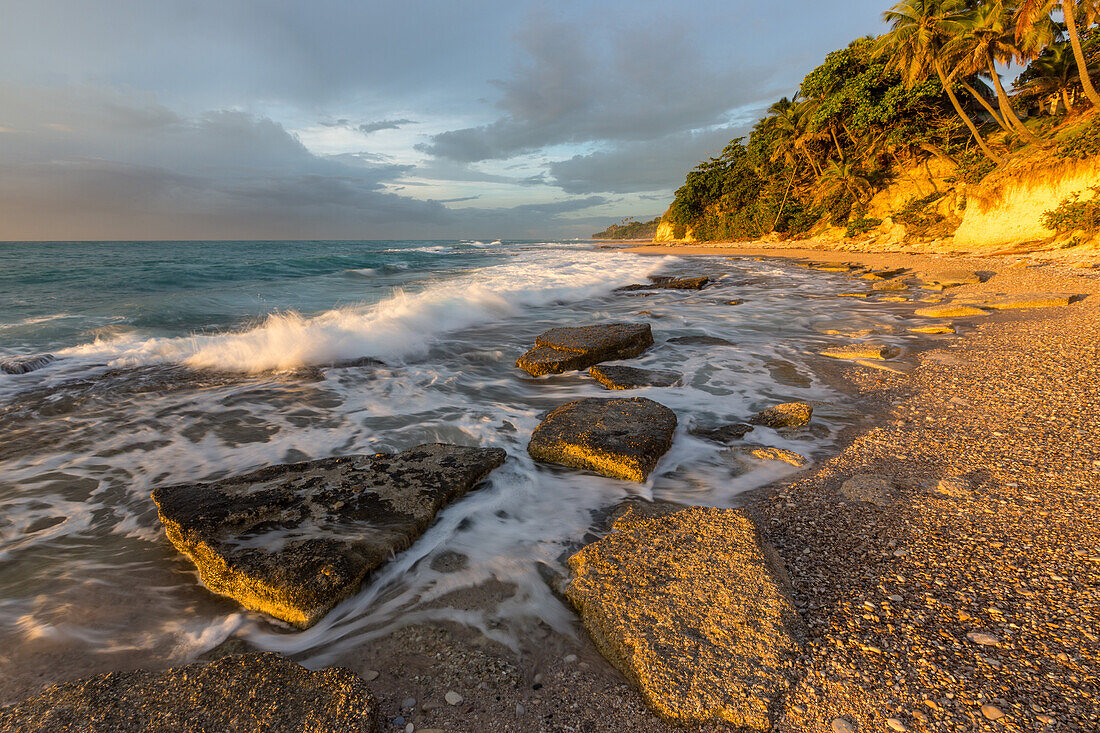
[[398, 721], [410, 702], [452, 697], [520, 710], [840, 725], [409, 728], [896, 725], [1045, 719], [370, 675], [992, 712], [982, 638], [570, 658]]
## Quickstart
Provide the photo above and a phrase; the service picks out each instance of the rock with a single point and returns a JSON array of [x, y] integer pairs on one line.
[[830, 267], [785, 415], [292, 541], [725, 433], [768, 453], [700, 341], [24, 364], [890, 285], [992, 712], [983, 639], [854, 295], [452, 697], [619, 437], [952, 486], [952, 278], [950, 310], [566, 349], [933, 329], [896, 725], [883, 274], [867, 487], [670, 283], [691, 609], [370, 675], [1015, 302], [235, 693], [735, 301], [624, 377], [840, 725], [894, 299], [861, 351]]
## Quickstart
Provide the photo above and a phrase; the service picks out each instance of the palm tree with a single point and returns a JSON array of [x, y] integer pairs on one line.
[[1033, 13], [920, 30], [845, 175], [989, 38], [1054, 71]]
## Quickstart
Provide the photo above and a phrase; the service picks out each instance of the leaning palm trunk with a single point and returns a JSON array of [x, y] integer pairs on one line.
[[1006, 106], [962, 113], [1068, 8], [988, 107]]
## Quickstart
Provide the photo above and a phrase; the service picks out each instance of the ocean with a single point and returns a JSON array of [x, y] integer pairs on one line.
[[188, 361]]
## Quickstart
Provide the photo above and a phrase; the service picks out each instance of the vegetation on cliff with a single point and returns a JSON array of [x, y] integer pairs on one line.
[[630, 229], [929, 89]]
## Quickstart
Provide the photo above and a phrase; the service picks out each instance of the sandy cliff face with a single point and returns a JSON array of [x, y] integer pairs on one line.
[[665, 233], [1008, 206]]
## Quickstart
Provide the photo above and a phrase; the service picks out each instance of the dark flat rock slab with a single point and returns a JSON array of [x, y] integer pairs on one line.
[[725, 433], [700, 341], [614, 376], [567, 349], [618, 437], [249, 692], [669, 283], [24, 364], [292, 541]]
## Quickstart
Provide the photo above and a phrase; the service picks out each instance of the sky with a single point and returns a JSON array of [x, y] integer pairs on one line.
[[361, 119]]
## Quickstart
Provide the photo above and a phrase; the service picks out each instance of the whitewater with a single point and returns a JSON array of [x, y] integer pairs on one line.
[[189, 361]]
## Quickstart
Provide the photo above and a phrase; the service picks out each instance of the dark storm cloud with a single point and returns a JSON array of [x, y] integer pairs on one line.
[[574, 88]]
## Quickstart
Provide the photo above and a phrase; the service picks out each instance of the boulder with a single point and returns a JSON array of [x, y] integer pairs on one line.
[[724, 434], [567, 349], [861, 351], [24, 364], [292, 541], [700, 340], [669, 283], [692, 608], [785, 415], [950, 310], [625, 377], [619, 437], [249, 692]]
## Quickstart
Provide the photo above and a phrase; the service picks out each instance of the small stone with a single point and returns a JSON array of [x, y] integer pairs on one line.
[[785, 415], [840, 725], [896, 725], [409, 728], [735, 301], [982, 638], [370, 675], [452, 697], [570, 658], [409, 702], [1045, 719], [398, 721], [520, 710], [992, 712]]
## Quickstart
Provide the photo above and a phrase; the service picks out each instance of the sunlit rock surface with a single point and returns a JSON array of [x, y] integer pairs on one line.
[[692, 609], [292, 541], [625, 377], [250, 692], [619, 438], [785, 415], [567, 349]]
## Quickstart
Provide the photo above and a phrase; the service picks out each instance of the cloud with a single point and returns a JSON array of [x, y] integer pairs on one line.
[[575, 87], [634, 167], [369, 127]]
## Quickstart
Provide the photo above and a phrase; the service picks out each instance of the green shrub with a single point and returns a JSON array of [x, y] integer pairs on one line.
[[862, 225], [913, 214], [1083, 143], [1073, 214]]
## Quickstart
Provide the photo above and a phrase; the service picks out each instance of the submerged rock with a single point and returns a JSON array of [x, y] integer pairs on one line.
[[690, 607], [725, 434], [692, 340], [744, 454], [292, 541], [933, 329], [890, 285], [669, 283], [236, 693], [883, 274], [619, 437], [785, 415], [566, 349], [625, 377], [861, 351], [24, 364]]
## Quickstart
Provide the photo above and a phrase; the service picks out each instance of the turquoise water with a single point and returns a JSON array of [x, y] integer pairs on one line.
[[180, 362]]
